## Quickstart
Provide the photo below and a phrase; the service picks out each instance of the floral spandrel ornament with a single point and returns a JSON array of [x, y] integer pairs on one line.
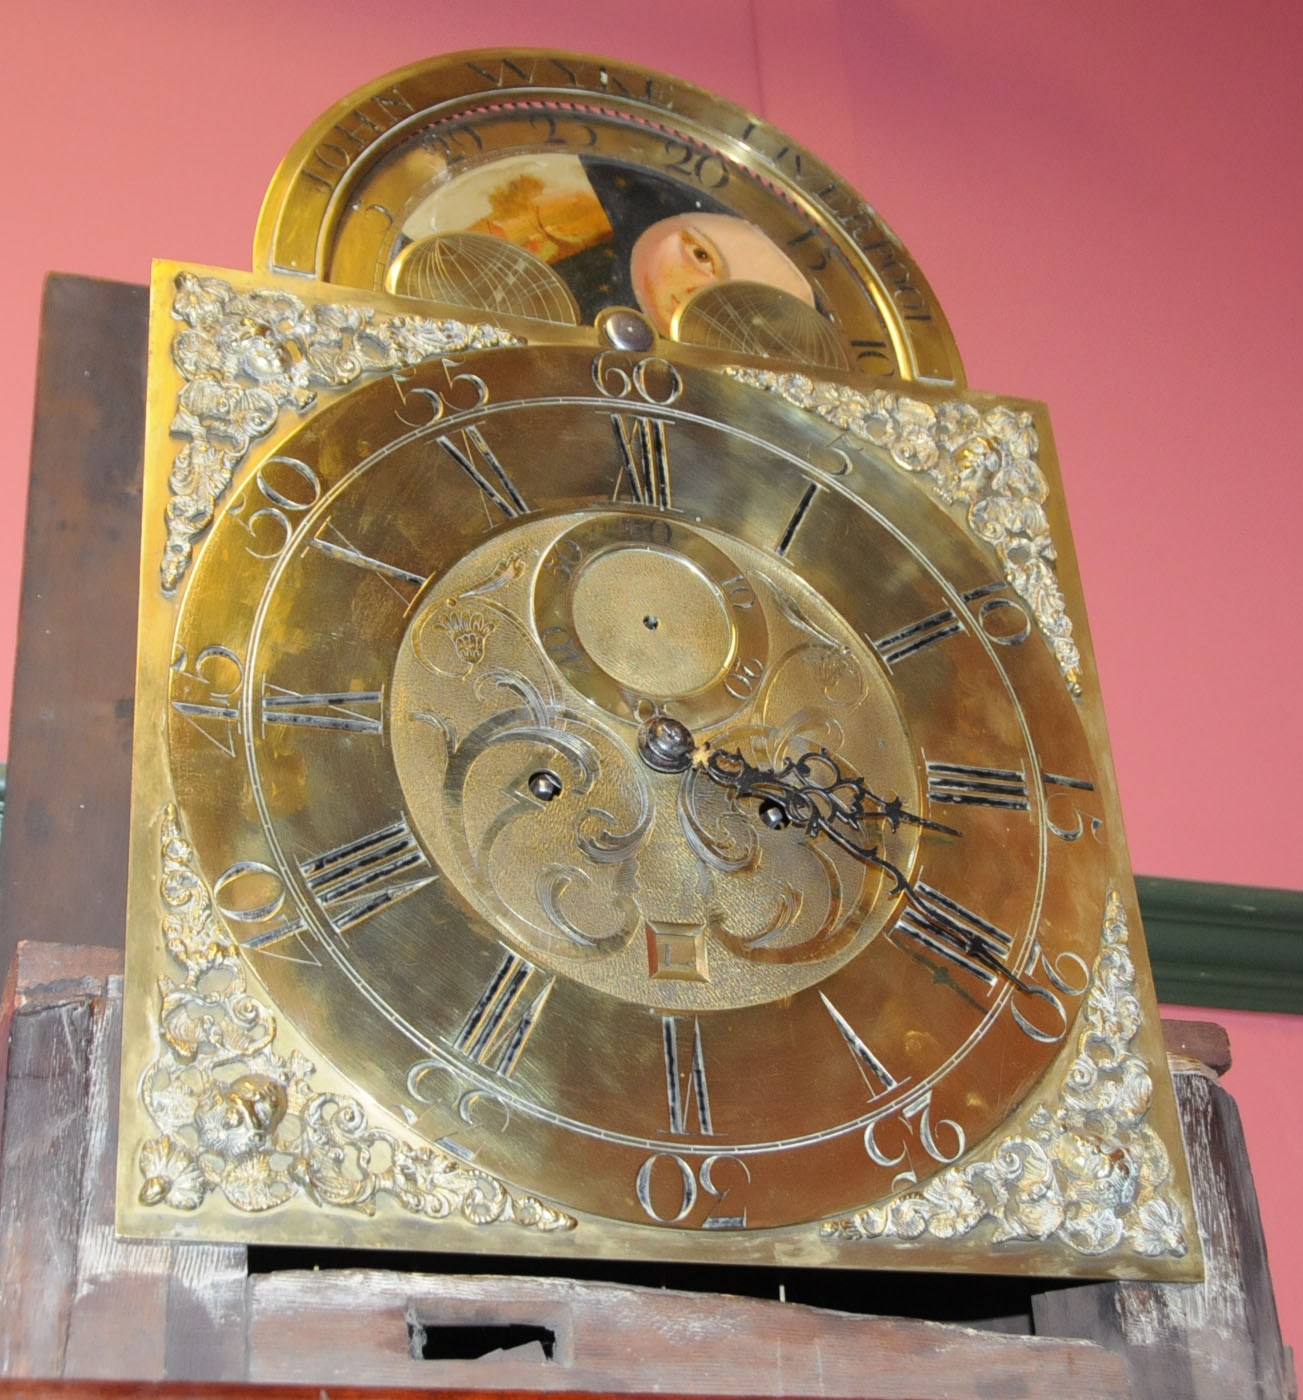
[[1084, 1168], [239, 1120], [247, 357], [983, 461]]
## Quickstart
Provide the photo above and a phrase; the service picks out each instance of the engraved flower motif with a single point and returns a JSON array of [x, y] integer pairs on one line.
[[470, 633]]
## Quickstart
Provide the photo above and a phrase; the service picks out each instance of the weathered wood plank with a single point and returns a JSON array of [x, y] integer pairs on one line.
[[313, 1327], [1204, 1041], [144, 1308], [1195, 1341], [75, 1298], [40, 1176]]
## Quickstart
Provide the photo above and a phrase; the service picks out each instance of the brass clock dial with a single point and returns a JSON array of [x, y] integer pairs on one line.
[[413, 674], [601, 185]]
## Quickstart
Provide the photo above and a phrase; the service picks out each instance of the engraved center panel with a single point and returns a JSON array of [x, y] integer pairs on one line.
[[518, 692]]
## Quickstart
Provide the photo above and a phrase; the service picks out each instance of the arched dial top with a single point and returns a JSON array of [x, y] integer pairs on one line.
[[415, 662], [552, 185]]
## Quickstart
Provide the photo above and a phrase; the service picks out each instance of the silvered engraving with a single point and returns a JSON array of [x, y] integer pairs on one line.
[[1083, 1165], [246, 357], [985, 461], [237, 1119]]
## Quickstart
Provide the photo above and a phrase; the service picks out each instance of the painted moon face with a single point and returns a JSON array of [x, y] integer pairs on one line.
[[676, 257]]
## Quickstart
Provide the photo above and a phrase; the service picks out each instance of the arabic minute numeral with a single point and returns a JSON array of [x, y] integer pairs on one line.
[[1059, 792], [673, 1203], [944, 1141], [289, 487], [207, 695]]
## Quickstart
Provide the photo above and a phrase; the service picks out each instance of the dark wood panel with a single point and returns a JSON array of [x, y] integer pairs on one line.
[[63, 859]]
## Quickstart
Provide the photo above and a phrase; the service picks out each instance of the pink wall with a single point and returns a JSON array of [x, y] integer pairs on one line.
[[1105, 196]]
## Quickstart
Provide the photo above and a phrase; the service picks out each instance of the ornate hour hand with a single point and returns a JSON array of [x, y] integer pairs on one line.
[[813, 792]]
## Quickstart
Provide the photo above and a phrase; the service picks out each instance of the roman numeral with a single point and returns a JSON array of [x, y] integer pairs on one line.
[[402, 582], [476, 459], [495, 1033], [896, 646], [644, 459], [915, 636], [875, 1074], [338, 710], [943, 926], [219, 724], [683, 1086], [964, 785], [360, 878]]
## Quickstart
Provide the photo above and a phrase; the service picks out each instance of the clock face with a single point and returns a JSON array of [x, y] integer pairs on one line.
[[555, 185], [413, 676]]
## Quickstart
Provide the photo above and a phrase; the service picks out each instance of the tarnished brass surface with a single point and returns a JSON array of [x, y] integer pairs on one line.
[[424, 952], [634, 186]]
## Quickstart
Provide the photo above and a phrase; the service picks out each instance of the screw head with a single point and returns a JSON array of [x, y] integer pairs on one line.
[[666, 744], [625, 329], [544, 785]]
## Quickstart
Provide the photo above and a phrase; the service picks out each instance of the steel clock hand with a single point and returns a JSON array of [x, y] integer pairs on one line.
[[815, 794]]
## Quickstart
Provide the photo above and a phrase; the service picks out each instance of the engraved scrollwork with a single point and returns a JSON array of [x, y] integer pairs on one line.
[[237, 1119], [1083, 1165], [598, 808], [984, 460], [246, 357]]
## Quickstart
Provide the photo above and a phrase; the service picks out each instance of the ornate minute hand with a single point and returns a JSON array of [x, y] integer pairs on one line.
[[811, 792], [815, 794]]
